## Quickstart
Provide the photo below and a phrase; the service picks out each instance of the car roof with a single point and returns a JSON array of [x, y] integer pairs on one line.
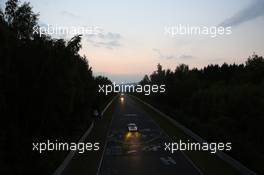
[[131, 124]]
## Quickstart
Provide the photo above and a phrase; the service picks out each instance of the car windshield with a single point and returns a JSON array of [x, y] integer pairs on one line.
[[131, 124]]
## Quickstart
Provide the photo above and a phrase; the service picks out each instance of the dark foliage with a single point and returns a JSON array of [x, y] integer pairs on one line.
[[219, 102], [46, 91]]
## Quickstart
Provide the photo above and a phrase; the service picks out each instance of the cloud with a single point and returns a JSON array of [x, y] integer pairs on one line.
[[107, 40], [162, 56], [94, 36], [109, 35], [252, 11], [185, 56], [69, 14], [165, 56]]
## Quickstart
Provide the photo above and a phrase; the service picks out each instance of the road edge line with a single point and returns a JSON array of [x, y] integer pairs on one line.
[[108, 130], [223, 156], [71, 154], [184, 155]]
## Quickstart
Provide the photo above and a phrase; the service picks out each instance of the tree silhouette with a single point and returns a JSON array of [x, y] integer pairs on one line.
[[1, 16], [74, 45], [219, 102], [24, 20], [46, 91], [145, 80], [10, 10]]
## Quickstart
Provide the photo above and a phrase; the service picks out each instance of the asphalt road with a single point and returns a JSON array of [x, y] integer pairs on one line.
[[140, 153]]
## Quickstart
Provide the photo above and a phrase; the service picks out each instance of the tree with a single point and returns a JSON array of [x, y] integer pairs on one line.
[[10, 10], [145, 80], [74, 45], [24, 21], [183, 68], [46, 91], [21, 19], [2, 16], [255, 68], [158, 76], [226, 97], [254, 62]]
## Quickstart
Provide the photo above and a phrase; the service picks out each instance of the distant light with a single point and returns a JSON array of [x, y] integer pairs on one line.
[[122, 99]]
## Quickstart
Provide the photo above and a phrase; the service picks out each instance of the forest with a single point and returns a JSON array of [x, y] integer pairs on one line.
[[47, 91], [218, 102]]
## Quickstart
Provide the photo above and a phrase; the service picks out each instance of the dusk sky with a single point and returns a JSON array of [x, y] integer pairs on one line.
[[134, 42]]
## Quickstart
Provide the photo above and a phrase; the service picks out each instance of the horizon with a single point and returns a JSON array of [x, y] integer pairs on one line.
[[114, 87], [141, 42]]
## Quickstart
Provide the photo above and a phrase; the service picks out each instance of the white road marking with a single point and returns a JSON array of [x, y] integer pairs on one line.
[[130, 115], [151, 148], [168, 161], [131, 151]]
